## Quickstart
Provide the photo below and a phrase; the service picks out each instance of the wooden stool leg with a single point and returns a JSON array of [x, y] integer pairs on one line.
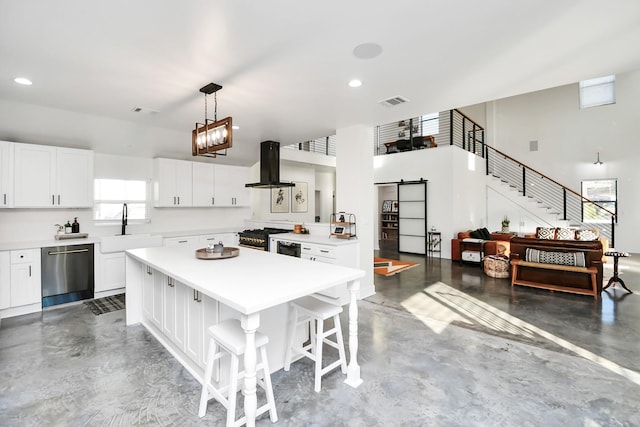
[[206, 380]]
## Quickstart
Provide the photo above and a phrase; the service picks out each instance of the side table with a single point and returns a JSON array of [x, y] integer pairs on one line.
[[615, 278], [434, 239], [472, 245]]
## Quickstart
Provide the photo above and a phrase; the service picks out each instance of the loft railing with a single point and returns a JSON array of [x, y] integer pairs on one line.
[[569, 205], [325, 145]]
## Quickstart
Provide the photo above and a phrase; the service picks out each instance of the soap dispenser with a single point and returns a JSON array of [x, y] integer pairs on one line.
[[75, 227], [67, 227]]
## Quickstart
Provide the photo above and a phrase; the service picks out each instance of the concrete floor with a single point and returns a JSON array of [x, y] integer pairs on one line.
[[441, 344]]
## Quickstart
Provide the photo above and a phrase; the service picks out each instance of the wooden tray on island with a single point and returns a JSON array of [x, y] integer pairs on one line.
[[227, 252]]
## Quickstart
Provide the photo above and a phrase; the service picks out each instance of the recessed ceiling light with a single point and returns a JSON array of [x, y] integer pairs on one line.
[[355, 83], [23, 81], [234, 127], [367, 50]]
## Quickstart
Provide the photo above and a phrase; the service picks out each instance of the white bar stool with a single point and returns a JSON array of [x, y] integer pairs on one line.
[[307, 311], [228, 337]]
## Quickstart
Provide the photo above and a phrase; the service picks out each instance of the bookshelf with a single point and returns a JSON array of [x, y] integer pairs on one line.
[[389, 220]]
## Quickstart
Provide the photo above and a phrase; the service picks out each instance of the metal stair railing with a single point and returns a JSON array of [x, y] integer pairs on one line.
[[547, 192]]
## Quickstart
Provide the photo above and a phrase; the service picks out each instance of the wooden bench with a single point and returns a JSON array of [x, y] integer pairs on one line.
[[592, 271]]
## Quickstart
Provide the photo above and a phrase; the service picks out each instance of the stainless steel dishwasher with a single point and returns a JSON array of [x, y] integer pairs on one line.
[[67, 274]]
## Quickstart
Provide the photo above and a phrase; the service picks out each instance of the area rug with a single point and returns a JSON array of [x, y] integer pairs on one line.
[[105, 305], [389, 267]]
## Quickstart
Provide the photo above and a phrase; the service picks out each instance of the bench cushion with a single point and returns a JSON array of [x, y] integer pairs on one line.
[[576, 259]]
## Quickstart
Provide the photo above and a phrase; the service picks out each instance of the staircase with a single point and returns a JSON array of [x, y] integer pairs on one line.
[[541, 200]]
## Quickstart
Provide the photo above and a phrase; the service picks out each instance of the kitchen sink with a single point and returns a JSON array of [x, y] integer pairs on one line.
[[120, 243]]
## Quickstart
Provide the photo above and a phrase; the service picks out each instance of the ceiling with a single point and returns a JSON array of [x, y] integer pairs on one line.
[[284, 65]]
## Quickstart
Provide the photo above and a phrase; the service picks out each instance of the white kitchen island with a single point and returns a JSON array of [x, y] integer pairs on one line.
[[163, 282]]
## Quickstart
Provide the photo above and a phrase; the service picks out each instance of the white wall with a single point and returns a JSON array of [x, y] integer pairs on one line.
[[38, 224], [326, 184], [261, 197], [569, 138], [355, 192], [456, 192]]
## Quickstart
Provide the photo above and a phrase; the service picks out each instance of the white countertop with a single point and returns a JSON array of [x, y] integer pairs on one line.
[[37, 244], [314, 238], [250, 282]]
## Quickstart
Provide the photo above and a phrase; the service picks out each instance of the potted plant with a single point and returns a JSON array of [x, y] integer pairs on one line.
[[505, 224]]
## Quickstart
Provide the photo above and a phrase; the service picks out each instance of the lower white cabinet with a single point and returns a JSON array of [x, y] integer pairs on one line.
[[227, 239], [5, 280], [179, 312], [193, 338], [25, 278], [344, 253], [111, 271], [168, 241]]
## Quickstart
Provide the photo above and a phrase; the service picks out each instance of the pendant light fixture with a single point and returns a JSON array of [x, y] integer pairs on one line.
[[213, 137], [598, 162]]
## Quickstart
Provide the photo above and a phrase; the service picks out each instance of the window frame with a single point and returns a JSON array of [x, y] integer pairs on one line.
[[589, 88], [612, 182], [113, 221]]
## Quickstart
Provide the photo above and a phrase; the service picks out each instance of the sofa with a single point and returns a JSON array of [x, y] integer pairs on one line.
[[542, 249], [564, 234], [494, 243]]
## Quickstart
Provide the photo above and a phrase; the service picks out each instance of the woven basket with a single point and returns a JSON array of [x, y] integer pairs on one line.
[[497, 267]]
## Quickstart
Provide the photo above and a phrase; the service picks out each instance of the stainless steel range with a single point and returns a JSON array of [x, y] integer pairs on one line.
[[259, 238]]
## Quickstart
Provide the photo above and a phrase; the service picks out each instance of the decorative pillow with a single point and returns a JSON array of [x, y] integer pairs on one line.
[[545, 233], [486, 235], [576, 259], [587, 235], [476, 234], [565, 234]]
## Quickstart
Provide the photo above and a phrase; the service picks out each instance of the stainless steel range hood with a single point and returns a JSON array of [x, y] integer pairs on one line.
[[269, 167]]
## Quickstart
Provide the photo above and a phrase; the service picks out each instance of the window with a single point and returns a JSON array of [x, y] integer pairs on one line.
[[110, 194], [604, 193], [600, 91]]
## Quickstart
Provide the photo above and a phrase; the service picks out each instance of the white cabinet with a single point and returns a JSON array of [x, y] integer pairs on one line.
[[6, 174], [47, 177], [229, 186], [227, 239], [180, 183], [172, 183], [25, 277], [183, 240], [194, 327], [111, 271], [5, 280], [346, 254], [203, 184]]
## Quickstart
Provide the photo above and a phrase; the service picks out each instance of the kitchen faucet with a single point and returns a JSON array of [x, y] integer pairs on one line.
[[124, 218]]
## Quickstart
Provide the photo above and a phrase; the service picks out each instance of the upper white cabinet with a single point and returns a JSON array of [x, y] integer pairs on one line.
[[172, 183], [179, 183], [204, 184], [47, 177], [229, 186], [6, 174]]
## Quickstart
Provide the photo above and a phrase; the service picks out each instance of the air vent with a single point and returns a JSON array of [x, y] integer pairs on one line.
[[392, 102]]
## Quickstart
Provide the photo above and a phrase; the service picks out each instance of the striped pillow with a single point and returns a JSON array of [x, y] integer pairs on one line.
[[576, 259]]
